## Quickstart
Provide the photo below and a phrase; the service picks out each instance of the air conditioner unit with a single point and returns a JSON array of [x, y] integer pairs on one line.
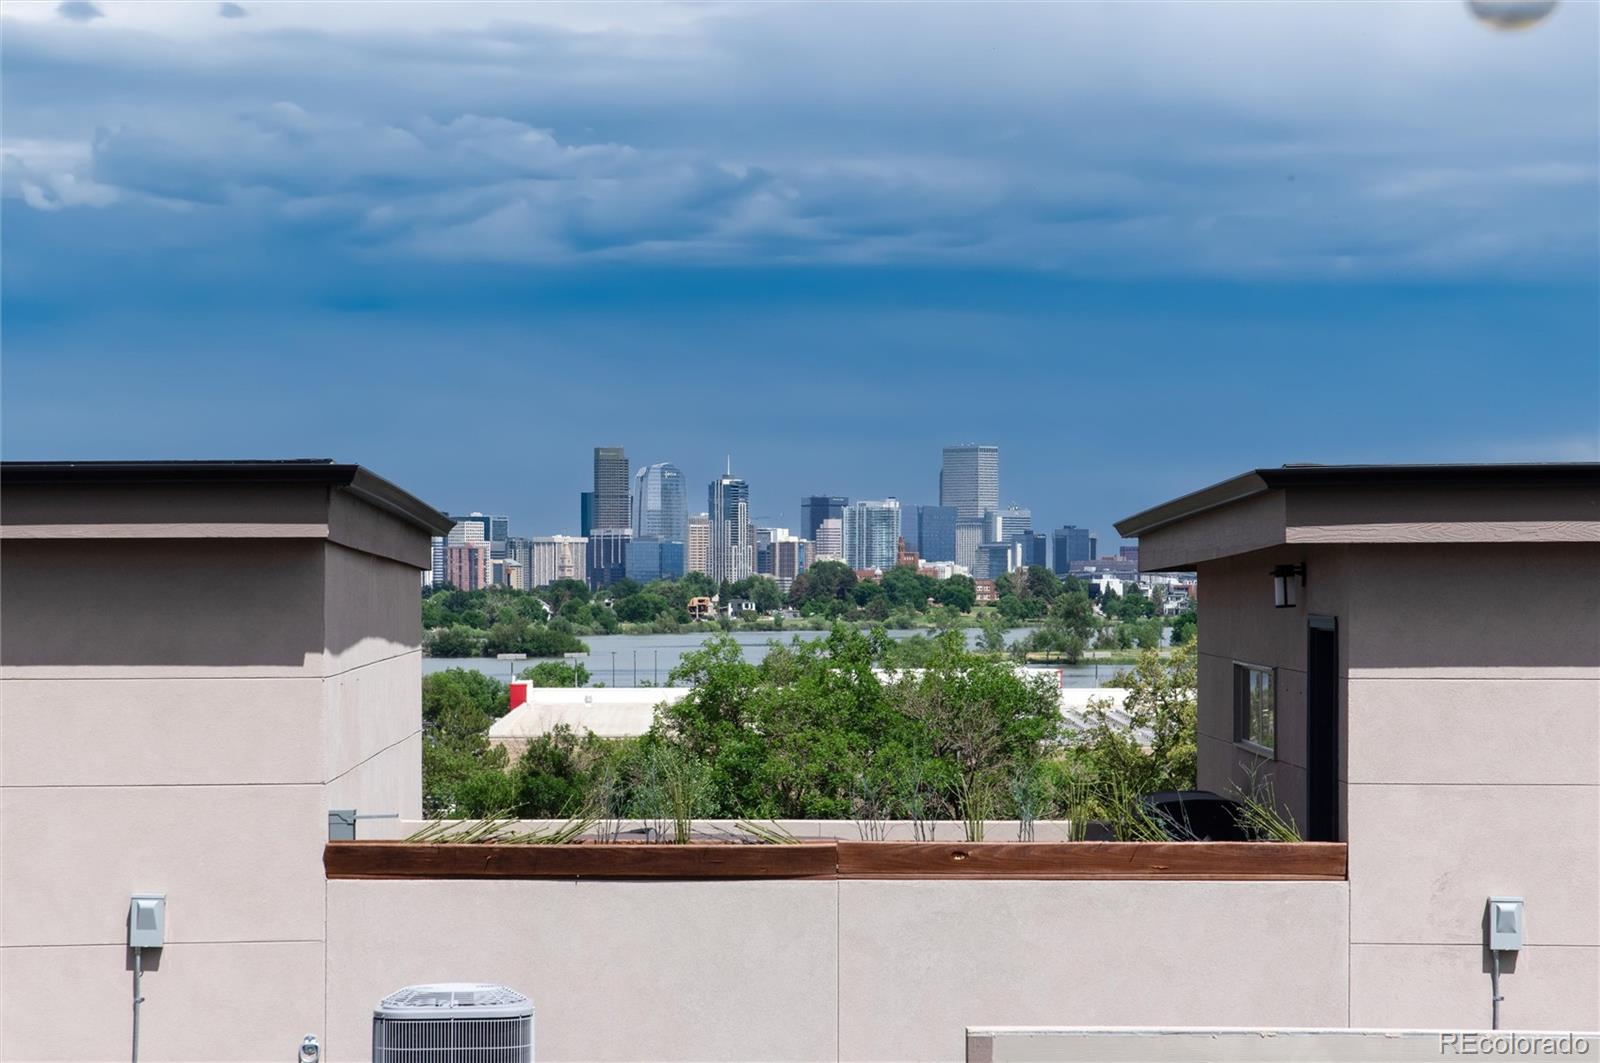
[[453, 1022]]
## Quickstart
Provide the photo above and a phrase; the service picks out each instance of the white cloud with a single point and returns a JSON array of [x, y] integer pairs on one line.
[[1314, 139]]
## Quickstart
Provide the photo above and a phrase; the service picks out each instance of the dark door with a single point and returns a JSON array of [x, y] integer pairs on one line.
[[1322, 730]]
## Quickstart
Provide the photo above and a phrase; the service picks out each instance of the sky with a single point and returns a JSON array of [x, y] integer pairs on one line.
[[1142, 247]]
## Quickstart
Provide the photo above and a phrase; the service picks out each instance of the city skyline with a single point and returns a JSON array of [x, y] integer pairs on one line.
[[791, 518]]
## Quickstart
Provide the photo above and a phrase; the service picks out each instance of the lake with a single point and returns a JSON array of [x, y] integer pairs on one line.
[[629, 660]]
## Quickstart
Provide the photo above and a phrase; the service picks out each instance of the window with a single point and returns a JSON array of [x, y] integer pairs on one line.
[[1255, 707]]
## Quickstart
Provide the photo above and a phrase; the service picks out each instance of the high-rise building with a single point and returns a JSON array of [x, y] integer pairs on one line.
[[790, 557], [606, 559], [1002, 524], [653, 558], [466, 565], [697, 547], [995, 559], [1034, 548], [469, 529], [871, 532], [611, 509], [586, 513], [814, 509], [933, 533], [660, 507], [731, 555], [969, 482], [547, 558], [829, 540], [1070, 543]]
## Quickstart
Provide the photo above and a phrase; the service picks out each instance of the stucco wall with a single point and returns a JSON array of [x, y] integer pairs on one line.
[[1470, 716], [853, 969], [178, 715]]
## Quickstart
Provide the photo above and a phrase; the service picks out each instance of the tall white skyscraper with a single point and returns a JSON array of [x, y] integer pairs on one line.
[[871, 532], [830, 540], [697, 548], [731, 556]]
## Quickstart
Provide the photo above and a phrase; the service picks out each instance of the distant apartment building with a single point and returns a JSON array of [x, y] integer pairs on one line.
[[969, 483], [790, 557], [660, 504], [586, 513], [653, 558], [931, 532], [611, 508], [829, 540], [697, 546], [1070, 543], [871, 533], [508, 573], [1129, 552], [469, 529], [467, 566], [731, 554], [606, 558], [547, 558], [814, 509], [1034, 547], [1002, 524], [993, 560]]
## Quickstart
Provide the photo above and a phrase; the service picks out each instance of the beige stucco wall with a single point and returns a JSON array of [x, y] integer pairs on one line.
[[1470, 713], [853, 970], [177, 714]]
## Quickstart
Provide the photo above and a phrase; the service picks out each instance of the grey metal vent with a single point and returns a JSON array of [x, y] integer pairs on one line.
[[453, 1022]]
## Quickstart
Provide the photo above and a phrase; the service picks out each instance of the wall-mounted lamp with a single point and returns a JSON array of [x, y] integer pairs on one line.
[[1283, 581]]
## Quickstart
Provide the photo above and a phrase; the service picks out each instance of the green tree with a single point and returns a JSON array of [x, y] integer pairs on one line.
[[455, 641], [556, 674], [458, 705], [641, 607]]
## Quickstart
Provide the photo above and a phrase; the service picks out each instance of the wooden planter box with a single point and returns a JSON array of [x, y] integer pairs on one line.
[[1227, 861]]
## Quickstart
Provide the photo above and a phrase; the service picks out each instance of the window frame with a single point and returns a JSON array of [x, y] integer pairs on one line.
[[1242, 670]]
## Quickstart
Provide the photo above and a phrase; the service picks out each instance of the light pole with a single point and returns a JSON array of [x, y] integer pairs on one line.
[[574, 658], [635, 667], [513, 658], [613, 667]]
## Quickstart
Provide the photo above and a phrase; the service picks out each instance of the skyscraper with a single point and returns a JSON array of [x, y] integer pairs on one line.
[[607, 556], [829, 540], [730, 556], [969, 482], [935, 538], [814, 509], [697, 547], [611, 489], [1003, 524], [585, 513], [660, 508], [1033, 547], [871, 532], [1070, 543]]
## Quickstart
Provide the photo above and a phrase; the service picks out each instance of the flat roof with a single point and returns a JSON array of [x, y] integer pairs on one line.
[[1260, 481], [359, 481]]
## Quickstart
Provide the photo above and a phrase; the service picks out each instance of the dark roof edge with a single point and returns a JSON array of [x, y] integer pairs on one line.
[[1219, 494], [366, 485], [1258, 481]]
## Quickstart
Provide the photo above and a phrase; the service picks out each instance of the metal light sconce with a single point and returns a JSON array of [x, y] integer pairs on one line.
[[1283, 585]]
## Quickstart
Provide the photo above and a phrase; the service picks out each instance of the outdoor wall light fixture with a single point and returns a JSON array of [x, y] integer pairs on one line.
[[1283, 585]]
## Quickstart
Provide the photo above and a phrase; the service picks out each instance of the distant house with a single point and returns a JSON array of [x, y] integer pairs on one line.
[[734, 608], [702, 608]]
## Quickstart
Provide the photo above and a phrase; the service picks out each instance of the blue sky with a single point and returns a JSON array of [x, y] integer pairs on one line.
[[1140, 246]]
